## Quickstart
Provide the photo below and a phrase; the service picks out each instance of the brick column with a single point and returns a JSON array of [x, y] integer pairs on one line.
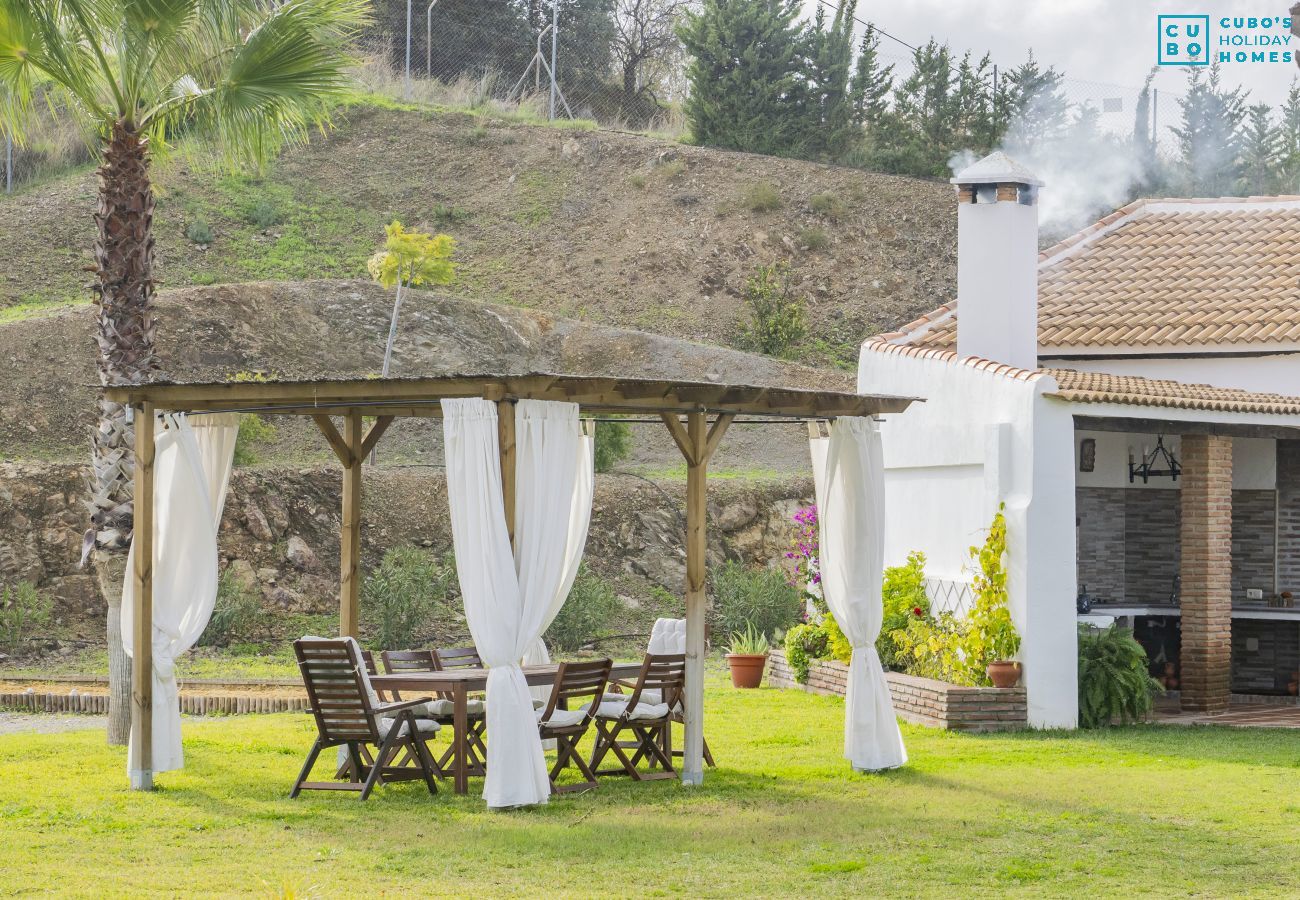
[[1206, 569]]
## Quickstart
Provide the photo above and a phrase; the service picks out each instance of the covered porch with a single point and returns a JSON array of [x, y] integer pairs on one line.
[[353, 416]]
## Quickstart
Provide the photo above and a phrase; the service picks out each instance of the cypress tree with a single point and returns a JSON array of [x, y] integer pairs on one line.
[[746, 76], [1289, 149], [832, 121], [871, 83], [1261, 146], [1209, 136]]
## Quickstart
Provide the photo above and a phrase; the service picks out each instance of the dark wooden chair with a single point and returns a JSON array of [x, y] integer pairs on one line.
[[579, 687], [349, 714], [667, 636], [442, 709], [457, 658], [663, 679]]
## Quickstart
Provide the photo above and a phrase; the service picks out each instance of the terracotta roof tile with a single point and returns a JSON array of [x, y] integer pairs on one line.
[[1163, 273], [1102, 387]]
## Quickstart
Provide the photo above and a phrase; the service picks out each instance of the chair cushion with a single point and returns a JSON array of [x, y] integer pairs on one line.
[[438, 709], [423, 726], [613, 709], [562, 718], [667, 636], [647, 696]]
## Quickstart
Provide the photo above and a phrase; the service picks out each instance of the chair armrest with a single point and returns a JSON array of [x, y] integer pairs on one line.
[[398, 707]]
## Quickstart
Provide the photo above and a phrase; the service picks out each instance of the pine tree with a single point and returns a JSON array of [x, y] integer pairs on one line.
[[1144, 141], [746, 75], [1038, 111], [872, 83], [1261, 146], [1209, 136], [976, 126], [833, 129], [1289, 148], [924, 114]]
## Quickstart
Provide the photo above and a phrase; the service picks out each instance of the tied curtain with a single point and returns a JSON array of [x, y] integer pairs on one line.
[[511, 595], [192, 465], [849, 476]]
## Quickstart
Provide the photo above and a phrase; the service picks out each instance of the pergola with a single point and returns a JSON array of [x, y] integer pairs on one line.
[[696, 414]]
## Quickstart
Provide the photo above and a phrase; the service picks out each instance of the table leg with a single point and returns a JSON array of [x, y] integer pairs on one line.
[[460, 741]]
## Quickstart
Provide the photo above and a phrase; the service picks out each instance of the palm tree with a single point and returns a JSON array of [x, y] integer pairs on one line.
[[249, 74]]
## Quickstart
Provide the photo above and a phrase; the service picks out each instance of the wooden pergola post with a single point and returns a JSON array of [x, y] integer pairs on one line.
[[506, 449], [142, 600], [697, 445]]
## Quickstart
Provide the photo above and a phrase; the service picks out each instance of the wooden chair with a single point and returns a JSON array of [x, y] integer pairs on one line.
[[457, 658], [666, 636], [442, 709], [566, 717], [349, 713], [650, 724]]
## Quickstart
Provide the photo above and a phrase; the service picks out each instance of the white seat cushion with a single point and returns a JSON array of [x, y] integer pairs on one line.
[[562, 718], [613, 709], [647, 696], [667, 636], [436, 709], [423, 726]]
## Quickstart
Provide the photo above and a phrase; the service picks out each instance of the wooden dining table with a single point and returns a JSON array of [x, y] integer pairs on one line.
[[460, 683]]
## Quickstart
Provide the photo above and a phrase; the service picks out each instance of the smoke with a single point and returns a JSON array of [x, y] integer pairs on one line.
[[1085, 173]]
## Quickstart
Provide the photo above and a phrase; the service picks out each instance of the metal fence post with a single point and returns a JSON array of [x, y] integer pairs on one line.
[[555, 31], [428, 40]]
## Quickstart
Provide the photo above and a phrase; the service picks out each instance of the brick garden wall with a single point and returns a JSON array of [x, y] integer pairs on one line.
[[1206, 567], [922, 701]]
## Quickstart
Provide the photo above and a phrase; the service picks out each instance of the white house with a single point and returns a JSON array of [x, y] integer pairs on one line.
[[1055, 382]]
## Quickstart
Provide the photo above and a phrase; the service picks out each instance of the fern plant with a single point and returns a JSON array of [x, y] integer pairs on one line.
[[1113, 679]]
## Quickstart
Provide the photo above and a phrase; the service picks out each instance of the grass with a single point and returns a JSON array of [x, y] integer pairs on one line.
[[762, 196], [1028, 814], [36, 307]]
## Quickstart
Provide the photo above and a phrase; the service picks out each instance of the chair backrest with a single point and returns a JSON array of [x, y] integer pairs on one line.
[[578, 684], [333, 673], [368, 657], [667, 636], [398, 661], [663, 672], [457, 658]]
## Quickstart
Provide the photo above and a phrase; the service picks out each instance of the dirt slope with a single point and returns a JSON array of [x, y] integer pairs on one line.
[[337, 329], [606, 227]]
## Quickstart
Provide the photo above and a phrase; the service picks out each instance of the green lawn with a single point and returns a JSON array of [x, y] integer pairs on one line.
[[1149, 810]]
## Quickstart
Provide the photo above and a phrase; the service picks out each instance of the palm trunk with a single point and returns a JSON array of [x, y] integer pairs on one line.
[[124, 287]]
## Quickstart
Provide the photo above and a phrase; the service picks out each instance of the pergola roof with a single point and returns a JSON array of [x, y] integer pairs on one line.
[[420, 396]]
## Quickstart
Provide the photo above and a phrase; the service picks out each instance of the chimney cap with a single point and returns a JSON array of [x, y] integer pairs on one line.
[[996, 168]]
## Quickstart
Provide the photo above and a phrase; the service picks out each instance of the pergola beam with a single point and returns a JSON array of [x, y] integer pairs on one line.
[[142, 599]]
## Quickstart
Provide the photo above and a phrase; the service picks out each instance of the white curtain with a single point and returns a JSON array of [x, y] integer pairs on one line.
[[509, 603], [849, 475], [192, 463], [579, 523]]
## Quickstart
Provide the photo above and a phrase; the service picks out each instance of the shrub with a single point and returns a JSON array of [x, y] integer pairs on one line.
[[828, 205], [613, 444], [757, 596], [762, 196], [199, 232], [813, 238], [235, 614], [253, 430], [959, 650], [400, 595], [837, 645], [24, 612], [904, 598], [803, 644], [445, 215], [586, 612], [750, 642], [776, 318], [263, 214], [1114, 682]]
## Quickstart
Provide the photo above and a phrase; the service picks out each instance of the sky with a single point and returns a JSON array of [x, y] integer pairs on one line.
[[1099, 41]]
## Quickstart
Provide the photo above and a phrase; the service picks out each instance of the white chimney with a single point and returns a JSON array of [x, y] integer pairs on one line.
[[997, 261]]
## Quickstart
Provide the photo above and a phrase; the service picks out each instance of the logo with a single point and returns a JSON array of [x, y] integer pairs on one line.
[[1187, 41], [1183, 40]]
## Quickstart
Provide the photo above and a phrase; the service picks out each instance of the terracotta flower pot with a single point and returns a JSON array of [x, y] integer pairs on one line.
[[746, 669], [1004, 673]]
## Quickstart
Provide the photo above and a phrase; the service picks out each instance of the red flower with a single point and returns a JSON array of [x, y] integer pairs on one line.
[[916, 611]]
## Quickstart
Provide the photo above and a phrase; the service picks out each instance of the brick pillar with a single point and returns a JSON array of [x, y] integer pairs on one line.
[[1206, 569]]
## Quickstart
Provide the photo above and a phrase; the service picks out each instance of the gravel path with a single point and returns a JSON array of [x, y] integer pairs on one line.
[[48, 723]]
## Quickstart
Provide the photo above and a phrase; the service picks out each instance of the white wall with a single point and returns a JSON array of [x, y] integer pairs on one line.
[[1254, 461], [978, 440], [1272, 374]]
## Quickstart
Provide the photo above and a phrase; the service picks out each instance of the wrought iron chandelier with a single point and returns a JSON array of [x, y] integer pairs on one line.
[[1159, 463]]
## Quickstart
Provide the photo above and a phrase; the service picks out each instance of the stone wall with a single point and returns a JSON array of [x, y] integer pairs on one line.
[[1129, 546], [1206, 654], [922, 701], [1288, 519]]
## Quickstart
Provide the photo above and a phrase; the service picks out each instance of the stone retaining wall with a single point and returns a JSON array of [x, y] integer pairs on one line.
[[923, 701]]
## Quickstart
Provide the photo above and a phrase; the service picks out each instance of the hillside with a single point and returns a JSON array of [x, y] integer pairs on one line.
[[607, 227]]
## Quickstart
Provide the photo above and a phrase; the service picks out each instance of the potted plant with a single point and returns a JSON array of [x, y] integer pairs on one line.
[[992, 634], [747, 657]]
